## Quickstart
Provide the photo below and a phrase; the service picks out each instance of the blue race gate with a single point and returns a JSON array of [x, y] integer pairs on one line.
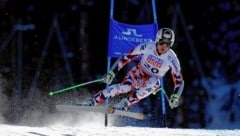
[[123, 37]]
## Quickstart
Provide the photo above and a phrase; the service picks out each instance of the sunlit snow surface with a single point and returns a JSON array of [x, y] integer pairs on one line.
[[92, 124], [10, 130]]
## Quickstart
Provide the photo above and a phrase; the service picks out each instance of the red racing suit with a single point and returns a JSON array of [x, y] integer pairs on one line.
[[144, 78]]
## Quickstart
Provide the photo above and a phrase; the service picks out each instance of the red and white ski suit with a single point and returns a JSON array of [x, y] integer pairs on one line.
[[144, 78]]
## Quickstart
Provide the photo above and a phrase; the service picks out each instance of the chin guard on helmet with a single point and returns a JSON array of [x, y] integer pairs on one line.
[[165, 36]]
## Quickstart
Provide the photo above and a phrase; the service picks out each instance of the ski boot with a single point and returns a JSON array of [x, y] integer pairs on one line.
[[122, 105], [89, 102]]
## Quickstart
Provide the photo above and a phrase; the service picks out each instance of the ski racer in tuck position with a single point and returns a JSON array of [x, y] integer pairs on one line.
[[155, 59]]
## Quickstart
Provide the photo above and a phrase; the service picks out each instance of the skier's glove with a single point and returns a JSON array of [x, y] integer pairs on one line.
[[173, 101], [108, 78]]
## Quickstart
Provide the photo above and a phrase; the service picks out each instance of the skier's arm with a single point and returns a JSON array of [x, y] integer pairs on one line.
[[176, 75], [122, 61], [129, 57], [178, 83], [132, 55]]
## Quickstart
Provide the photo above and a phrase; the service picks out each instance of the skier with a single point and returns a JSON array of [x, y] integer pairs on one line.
[[155, 59]]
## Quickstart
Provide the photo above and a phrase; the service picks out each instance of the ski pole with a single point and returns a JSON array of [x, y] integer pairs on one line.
[[164, 92], [72, 87]]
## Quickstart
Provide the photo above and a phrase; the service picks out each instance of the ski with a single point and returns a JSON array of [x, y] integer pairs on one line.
[[136, 115], [102, 109]]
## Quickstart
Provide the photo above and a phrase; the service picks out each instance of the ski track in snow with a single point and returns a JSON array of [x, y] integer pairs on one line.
[[13, 130]]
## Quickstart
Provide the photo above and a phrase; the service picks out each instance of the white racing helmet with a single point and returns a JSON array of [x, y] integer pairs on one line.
[[165, 35]]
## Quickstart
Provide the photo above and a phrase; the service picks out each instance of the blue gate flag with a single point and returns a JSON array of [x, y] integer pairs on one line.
[[124, 37]]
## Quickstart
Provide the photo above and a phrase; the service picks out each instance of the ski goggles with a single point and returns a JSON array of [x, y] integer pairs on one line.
[[166, 42]]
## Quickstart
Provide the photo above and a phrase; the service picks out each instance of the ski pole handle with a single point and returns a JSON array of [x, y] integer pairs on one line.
[[72, 87]]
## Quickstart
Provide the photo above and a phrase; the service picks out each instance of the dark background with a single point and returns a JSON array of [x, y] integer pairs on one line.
[[207, 39]]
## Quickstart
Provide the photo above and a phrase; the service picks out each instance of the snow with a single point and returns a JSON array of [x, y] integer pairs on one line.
[[92, 124], [222, 115], [12, 130], [89, 124]]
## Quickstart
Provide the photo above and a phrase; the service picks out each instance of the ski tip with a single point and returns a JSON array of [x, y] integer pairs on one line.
[[110, 109], [141, 116]]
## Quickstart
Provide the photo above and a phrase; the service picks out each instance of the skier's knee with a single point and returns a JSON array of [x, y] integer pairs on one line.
[[99, 97], [133, 99]]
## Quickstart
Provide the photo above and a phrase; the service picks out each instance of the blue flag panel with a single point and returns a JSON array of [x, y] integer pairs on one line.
[[124, 37]]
